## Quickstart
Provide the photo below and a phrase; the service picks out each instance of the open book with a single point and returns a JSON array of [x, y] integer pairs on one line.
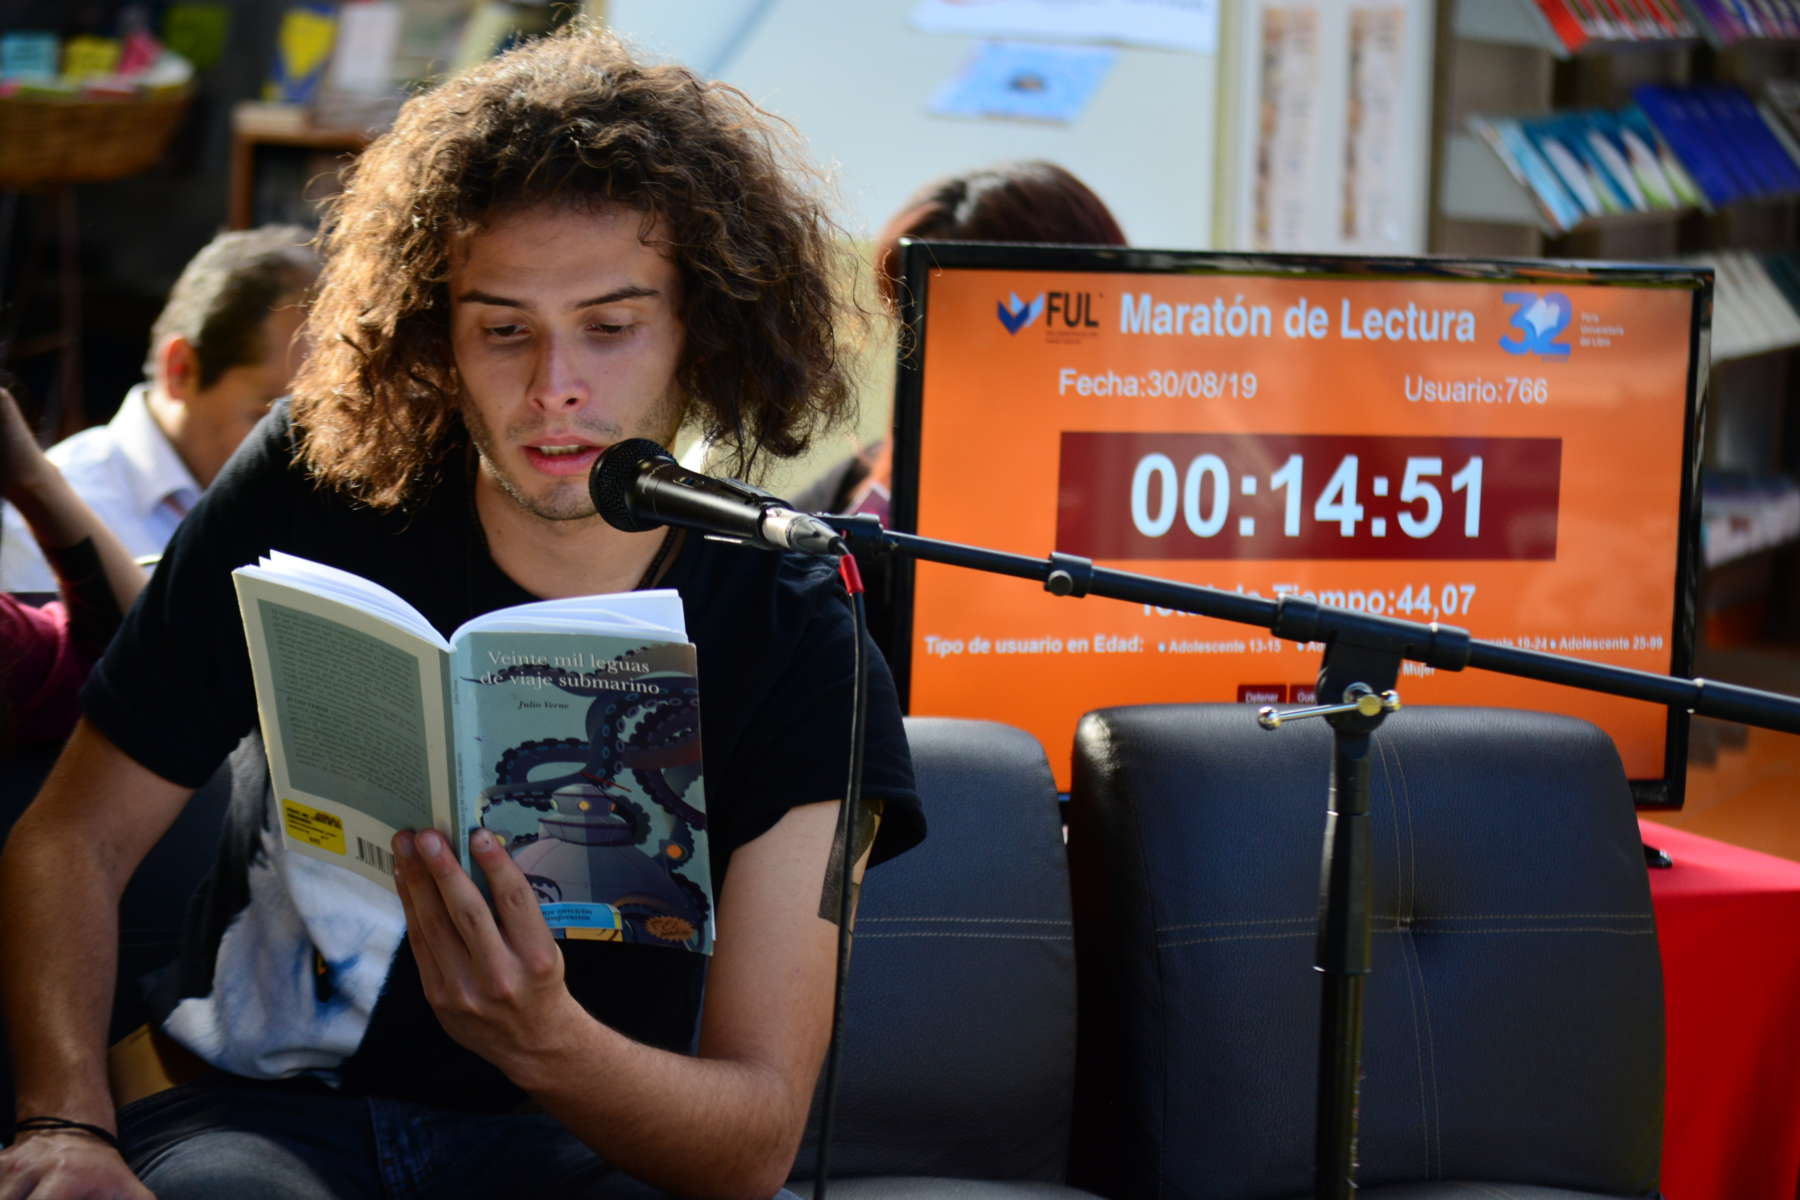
[[570, 729]]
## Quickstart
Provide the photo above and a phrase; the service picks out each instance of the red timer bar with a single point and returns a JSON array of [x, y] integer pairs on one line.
[[1294, 495]]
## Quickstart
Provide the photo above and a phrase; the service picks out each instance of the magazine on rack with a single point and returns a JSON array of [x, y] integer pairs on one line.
[[569, 729]]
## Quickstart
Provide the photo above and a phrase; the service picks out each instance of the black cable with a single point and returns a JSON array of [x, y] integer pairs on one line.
[[845, 839]]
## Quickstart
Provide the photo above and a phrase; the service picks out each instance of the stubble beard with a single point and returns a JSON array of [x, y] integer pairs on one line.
[[569, 500]]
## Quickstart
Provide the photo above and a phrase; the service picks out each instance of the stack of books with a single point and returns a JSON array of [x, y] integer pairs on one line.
[[1676, 148], [1756, 301], [1735, 20], [1742, 514], [1581, 165], [1724, 139], [1578, 22]]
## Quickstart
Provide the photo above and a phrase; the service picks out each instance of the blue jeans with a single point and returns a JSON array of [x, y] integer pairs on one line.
[[225, 1141]]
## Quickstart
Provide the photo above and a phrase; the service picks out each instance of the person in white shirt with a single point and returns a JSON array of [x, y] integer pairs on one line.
[[223, 348]]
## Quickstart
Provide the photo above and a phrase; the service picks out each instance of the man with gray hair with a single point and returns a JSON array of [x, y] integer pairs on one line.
[[223, 348]]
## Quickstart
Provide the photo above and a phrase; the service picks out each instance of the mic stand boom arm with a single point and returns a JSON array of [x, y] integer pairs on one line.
[[1445, 647], [1362, 659]]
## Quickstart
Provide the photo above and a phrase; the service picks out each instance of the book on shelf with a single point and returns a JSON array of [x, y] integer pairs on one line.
[[1737, 20], [1779, 100], [1644, 142], [569, 729], [1581, 165], [1741, 514], [1631, 163], [1554, 140], [1577, 22], [1506, 137], [1724, 139], [1754, 302], [1568, 27]]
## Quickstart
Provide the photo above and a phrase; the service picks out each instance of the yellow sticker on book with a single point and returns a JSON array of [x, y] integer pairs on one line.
[[315, 827]]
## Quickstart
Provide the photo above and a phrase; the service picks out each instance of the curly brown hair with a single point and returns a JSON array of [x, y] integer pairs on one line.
[[573, 120]]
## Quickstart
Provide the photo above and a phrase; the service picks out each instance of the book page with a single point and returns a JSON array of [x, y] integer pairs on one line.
[[355, 718], [581, 752], [655, 611]]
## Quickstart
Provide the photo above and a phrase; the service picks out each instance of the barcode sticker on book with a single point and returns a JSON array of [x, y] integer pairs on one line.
[[375, 856]]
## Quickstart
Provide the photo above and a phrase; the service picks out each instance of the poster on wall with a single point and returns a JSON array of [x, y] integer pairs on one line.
[[1287, 125], [1329, 136]]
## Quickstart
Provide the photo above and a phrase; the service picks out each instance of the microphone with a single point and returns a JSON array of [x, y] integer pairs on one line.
[[637, 485]]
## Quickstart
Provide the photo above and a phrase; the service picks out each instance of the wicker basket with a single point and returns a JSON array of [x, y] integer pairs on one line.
[[84, 139]]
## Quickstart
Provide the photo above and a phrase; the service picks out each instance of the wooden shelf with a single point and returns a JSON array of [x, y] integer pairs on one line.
[[255, 126]]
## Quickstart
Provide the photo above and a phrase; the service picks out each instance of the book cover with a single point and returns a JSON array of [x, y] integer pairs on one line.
[[1599, 132], [585, 756], [1641, 160], [1758, 140], [568, 728], [1683, 123], [1595, 19], [1781, 97], [1623, 26], [1549, 134], [1637, 19], [1641, 137], [1722, 20], [1669, 21], [1507, 139], [1564, 23], [1616, 190], [1754, 139]]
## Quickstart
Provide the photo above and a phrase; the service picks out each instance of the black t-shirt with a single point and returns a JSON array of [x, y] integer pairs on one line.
[[773, 637]]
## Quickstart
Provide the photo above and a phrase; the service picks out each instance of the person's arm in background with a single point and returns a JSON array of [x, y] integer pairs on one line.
[[98, 575], [62, 871]]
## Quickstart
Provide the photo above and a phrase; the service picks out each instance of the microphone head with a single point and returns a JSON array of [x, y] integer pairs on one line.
[[610, 482]]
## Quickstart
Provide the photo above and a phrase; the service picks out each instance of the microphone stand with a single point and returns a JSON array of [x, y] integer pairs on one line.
[[1362, 660]]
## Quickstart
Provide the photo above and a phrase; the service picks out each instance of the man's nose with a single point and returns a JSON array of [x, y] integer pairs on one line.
[[558, 382]]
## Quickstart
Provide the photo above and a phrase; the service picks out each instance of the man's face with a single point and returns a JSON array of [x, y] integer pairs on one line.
[[241, 395], [566, 333]]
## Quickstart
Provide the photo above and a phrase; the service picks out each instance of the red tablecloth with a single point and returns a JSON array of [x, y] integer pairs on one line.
[[1728, 921]]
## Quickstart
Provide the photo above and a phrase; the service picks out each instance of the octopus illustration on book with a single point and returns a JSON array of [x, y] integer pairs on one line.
[[607, 819]]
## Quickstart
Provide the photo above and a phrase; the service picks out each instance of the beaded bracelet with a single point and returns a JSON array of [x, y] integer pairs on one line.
[[42, 1124]]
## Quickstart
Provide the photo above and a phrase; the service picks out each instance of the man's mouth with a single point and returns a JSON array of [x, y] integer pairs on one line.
[[563, 458]]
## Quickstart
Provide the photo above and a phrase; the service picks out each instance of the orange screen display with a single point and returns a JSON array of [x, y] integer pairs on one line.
[[1505, 455]]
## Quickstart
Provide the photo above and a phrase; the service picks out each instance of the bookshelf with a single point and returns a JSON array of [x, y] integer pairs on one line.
[[282, 165], [1689, 22], [1504, 59]]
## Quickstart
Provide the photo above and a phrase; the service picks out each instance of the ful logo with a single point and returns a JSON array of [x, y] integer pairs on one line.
[[1537, 321], [1076, 310], [1021, 314]]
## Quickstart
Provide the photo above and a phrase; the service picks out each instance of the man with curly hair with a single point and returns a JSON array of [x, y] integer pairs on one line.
[[559, 250]]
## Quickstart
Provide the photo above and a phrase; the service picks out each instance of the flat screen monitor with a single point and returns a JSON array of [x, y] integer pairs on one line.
[[1507, 446]]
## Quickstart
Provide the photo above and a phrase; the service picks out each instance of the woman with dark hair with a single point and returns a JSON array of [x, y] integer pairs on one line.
[[1029, 201], [45, 652]]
